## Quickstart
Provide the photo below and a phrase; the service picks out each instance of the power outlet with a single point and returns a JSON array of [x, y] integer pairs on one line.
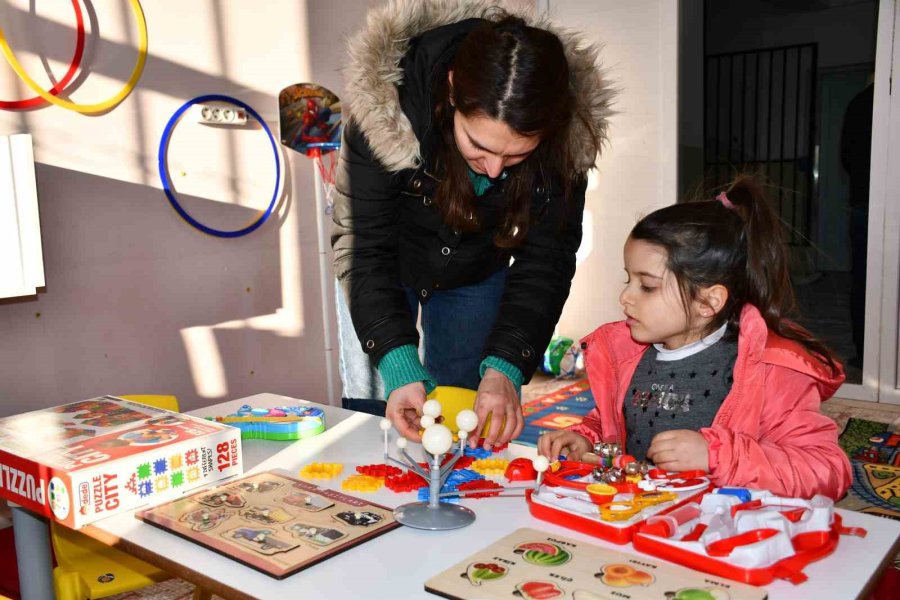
[[214, 114]]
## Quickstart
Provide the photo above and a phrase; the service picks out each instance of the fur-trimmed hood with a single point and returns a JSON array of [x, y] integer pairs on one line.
[[374, 71]]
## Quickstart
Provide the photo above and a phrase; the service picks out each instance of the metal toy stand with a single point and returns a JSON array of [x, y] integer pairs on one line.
[[437, 440]]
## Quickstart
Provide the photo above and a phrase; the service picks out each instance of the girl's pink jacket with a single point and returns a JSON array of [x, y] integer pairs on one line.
[[768, 433]]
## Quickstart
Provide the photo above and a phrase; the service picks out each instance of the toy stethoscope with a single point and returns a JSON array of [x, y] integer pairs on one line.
[[568, 470]]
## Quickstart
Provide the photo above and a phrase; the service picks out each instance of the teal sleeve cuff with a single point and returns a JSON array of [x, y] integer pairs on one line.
[[401, 366], [511, 371]]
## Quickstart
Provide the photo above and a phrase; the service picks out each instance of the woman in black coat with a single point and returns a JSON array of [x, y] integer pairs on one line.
[[460, 193]]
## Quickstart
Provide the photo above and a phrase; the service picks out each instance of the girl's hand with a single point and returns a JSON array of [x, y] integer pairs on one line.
[[404, 408], [679, 450], [553, 443], [497, 398]]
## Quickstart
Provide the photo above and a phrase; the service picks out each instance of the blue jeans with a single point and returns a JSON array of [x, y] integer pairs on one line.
[[455, 327]]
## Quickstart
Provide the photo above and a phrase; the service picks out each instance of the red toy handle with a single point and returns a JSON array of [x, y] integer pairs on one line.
[[725, 546]]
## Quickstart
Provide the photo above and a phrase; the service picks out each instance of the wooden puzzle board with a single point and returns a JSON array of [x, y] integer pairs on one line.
[[272, 522], [532, 564]]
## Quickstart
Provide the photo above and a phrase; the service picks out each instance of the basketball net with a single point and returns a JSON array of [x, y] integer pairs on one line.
[[327, 175]]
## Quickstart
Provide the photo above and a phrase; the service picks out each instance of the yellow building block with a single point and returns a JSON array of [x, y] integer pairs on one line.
[[321, 470], [490, 466], [362, 483]]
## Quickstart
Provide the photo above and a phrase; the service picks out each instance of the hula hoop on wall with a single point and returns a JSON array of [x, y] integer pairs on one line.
[[99, 106], [167, 182], [73, 68]]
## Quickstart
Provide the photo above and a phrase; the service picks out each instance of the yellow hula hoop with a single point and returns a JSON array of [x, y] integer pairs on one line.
[[87, 108]]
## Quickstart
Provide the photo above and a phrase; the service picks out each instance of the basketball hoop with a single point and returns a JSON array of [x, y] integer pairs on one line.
[[310, 122], [326, 173]]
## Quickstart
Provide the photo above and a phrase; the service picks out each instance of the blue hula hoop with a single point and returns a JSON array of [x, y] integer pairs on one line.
[[167, 182]]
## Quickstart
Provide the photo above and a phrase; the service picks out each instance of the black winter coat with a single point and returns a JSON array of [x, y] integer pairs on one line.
[[388, 232]]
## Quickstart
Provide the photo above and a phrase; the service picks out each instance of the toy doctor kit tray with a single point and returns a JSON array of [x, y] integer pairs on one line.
[[530, 564], [747, 535], [272, 522], [569, 497]]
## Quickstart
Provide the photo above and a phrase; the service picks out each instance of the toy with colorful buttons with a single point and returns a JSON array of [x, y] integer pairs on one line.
[[284, 423]]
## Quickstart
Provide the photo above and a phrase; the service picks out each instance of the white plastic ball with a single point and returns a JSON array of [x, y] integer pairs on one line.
[[426, 421], [541, 463], [432, 408], [401, 443], [385, 424], [466, 420], [437, 439]]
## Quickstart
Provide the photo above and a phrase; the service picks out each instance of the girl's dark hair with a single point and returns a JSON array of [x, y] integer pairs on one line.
[[741, 247], [510, 72]]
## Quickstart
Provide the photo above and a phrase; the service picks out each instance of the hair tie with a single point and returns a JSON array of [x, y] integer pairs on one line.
[[725, 201]]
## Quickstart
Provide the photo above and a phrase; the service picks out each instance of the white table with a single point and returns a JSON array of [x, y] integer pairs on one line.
[[397, 564]]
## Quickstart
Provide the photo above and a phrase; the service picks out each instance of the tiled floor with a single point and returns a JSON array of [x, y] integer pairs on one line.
[[824, 305]]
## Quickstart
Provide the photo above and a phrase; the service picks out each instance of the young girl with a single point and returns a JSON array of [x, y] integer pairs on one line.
[[706, 372]]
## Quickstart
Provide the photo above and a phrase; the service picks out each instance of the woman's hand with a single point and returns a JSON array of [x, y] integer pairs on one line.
[[497, 398], [679, 450], [554, 443], [404, 409]]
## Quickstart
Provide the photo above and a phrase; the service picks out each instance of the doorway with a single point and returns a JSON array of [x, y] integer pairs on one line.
[[778, 80]]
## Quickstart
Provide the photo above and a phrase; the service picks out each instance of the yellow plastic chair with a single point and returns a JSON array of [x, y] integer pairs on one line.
[[89, 569]]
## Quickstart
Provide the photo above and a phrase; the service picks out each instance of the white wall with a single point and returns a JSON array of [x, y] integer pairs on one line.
[[136, 300], [638, 171]]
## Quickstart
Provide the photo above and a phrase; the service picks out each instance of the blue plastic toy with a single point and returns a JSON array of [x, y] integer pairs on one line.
[[284, 423]]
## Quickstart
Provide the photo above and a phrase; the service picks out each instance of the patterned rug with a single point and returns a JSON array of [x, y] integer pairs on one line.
[[874, 451], [556, 410]]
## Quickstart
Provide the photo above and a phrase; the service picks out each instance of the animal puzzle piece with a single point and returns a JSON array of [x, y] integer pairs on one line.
[[204, 519], [260, 540], [320, 536], [358, 519], [261, 487], [266, 515], [306, 501], [223, 498]]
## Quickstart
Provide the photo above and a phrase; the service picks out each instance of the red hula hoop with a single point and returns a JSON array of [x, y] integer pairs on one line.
[[60, 86]]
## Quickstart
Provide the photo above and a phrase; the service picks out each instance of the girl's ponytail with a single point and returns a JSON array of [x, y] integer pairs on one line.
[[768, 278]]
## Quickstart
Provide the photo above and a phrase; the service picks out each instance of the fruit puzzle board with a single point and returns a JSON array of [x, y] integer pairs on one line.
[[272, 522], [533, 564]]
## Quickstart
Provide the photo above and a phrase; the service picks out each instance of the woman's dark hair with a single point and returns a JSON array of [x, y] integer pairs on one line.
[[510, 72], [742, 247]]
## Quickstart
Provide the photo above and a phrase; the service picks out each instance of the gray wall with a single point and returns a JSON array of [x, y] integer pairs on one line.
[[136, 300]]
